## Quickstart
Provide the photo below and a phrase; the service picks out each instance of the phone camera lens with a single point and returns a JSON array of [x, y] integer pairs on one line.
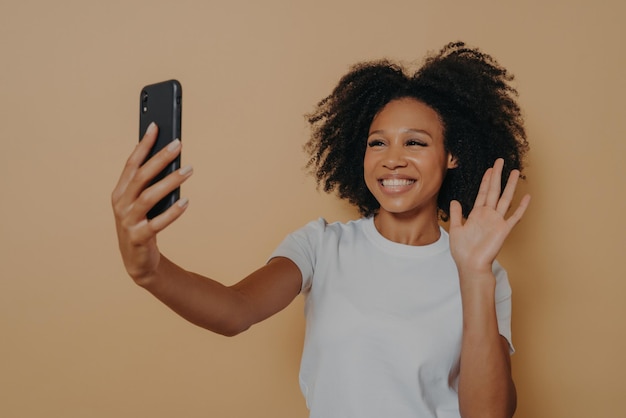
[[144, 101]]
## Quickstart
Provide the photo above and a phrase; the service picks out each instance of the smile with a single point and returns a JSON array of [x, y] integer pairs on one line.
[[396, 182]]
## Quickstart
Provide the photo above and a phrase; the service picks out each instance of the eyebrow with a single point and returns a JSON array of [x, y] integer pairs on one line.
[[403, 131]]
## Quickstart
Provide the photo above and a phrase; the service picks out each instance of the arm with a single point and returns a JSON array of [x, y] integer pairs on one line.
[[227, 310], [486, 386]]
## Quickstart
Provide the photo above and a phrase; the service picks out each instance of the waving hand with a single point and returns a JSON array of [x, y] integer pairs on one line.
[[476, 242]]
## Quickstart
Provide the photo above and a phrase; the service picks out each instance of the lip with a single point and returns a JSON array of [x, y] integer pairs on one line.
[[396, 184]]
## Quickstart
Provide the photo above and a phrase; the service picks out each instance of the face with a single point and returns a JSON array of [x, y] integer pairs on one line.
[[405, 159]]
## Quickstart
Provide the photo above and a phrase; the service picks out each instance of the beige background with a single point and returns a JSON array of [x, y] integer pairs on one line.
[[79, 339]]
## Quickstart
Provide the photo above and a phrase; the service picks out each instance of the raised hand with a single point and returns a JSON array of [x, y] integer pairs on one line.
[[476, 242], [132, 199]]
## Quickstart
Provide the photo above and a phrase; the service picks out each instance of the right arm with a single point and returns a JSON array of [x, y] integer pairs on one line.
[[227, 310]]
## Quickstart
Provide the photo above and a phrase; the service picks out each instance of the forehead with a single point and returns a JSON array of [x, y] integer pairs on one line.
[[407, 113]]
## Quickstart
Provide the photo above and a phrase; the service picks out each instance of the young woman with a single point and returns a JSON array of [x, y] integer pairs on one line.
[[403, 319]]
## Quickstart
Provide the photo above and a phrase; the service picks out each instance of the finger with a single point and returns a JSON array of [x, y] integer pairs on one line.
[[495, 184], [509, 191], [146, 229], [456, 214], [519, 212], [153, 194], [481, 197], [134, 161], [151, 168], [162, 221]]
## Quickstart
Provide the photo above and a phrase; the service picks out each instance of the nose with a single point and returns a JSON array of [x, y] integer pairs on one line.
[[394, 158]]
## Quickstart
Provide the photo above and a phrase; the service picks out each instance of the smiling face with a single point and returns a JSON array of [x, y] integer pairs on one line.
[[405, 160]]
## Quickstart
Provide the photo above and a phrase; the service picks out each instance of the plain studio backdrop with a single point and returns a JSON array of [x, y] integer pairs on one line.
[[79, 339]]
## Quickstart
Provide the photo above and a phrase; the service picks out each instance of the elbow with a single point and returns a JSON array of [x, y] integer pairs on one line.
[[228, 328], [508, 414], [232, 331], [512, 406], [500, 406]]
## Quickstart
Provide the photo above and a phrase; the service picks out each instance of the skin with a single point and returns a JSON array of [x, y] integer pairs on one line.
[[486, 387], [405, 143], [227, 310]]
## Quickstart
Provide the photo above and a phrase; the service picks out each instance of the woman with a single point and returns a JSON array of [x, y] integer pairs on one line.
[[403, 320]]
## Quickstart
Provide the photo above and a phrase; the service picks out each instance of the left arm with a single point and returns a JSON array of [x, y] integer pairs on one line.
[[486, 386]]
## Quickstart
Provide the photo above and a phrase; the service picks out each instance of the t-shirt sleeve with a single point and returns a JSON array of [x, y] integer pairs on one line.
[[301, 247], [503, 303]]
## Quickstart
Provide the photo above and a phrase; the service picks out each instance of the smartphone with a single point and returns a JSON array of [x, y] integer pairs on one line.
[[161, 103]]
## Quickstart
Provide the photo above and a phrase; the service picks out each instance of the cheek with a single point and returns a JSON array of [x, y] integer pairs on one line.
[[368, 163], [368, 171], [434, 160]]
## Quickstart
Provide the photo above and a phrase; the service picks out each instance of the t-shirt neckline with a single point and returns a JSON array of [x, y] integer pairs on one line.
[[404, 250]]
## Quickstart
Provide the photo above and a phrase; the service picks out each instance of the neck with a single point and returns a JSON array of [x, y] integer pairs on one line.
[[407, 229]]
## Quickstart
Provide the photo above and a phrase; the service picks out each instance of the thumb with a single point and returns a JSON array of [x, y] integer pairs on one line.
[[456, 214]]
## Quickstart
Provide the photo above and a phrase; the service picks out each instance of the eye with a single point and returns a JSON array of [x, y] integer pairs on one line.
[[375, 143], [415, 143]]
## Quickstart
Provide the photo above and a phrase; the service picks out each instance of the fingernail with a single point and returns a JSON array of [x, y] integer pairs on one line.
[[173, 146], [151, 128], [186, 170], [183, 202]]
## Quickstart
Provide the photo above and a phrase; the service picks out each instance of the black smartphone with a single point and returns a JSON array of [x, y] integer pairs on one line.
[[161, 103]]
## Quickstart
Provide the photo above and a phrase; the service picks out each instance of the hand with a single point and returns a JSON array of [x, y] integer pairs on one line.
[[132, 199], [476, 242]]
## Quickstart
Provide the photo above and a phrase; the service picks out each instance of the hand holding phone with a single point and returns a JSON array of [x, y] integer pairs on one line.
[[161, 103]]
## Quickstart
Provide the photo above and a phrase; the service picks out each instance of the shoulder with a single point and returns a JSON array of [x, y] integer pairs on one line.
[[320, 235], [321, 227], [318, 240]]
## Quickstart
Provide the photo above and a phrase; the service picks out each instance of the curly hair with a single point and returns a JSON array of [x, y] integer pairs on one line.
[[467, 88]]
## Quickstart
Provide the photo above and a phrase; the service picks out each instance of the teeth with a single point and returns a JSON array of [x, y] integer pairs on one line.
[[396, 182]]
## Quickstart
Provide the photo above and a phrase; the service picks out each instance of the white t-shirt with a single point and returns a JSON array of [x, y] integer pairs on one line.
[[384, 322]]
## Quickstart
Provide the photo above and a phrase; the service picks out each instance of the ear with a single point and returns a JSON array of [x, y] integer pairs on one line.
[[452, 161]]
